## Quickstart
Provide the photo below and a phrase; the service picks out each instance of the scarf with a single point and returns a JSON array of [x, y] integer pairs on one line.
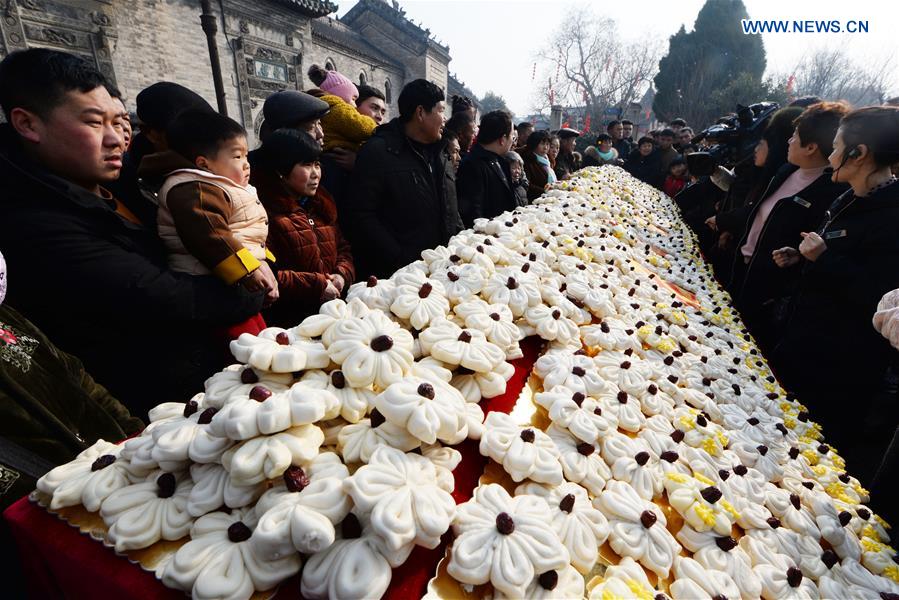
[[550, 174], [606, 155]]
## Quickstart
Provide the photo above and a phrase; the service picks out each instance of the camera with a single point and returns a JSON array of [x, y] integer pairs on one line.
[[733, 138]]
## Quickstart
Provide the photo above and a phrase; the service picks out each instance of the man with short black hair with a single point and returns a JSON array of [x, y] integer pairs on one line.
[[88, 272], [524, 129], [684, 139], [403, 188], [372, 102], [484, 180], [627, 128], [677, 124], [666, 151], [616, 129]]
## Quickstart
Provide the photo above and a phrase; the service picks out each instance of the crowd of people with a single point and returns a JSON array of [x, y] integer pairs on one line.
[[142, 247]]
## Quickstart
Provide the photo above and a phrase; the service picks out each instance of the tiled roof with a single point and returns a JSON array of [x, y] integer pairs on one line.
[[349, 39], [395, 14], [312, 8]]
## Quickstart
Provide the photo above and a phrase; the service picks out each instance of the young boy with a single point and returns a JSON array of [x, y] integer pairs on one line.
[[519, 181], [210, 218]]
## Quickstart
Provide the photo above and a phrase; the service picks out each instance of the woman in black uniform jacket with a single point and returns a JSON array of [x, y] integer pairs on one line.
[[830, 356]]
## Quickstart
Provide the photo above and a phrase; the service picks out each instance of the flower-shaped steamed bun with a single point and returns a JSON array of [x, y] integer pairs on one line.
[[141, 514], [236, 381], [266, 457], [371, 350], [581, 461], [220, 562], [419, 299], [335, 571], [468, 348], [354, 403], [406, 496], [637, 528], [626, 580], [377, 294], [577, 372], [512, 288], [329, 314], [265, 413], [429, 410], [461, 282], [504, 540], [524, 452], [582, 528], [299, 513], [214, 489], [279, 350], [358, 441], [494, 320], [90, 478]]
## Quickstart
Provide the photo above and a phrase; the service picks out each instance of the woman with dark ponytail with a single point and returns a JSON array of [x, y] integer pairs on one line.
[[830, 356]]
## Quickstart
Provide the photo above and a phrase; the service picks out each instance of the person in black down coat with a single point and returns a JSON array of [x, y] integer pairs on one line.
[[644, 163], [830, 356], [484, 182], [403, 186]]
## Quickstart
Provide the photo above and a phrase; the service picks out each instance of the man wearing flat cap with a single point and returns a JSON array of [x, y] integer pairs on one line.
[[290, 109], [565, 161], [157, 106]]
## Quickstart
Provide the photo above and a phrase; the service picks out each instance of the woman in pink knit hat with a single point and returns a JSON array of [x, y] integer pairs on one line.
[[345, 127]]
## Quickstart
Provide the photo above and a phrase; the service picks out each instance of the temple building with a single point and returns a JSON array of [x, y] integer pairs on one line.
[[263, 45]]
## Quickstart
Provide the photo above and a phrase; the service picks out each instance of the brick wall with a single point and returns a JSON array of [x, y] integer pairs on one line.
[[351, 65], [162, 40]]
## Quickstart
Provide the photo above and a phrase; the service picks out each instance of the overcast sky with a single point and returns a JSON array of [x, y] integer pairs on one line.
[[493, 42]]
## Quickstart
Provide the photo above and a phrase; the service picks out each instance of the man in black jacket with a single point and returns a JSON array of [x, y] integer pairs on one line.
[[403, 186], [623, 146], [795, 201], [483, 182], [88, 273]]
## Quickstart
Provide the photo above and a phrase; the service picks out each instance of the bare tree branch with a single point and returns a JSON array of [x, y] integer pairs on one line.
[[595, 67], [830, 74]]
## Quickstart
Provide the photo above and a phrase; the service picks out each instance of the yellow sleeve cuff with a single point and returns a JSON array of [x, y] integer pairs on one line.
[[269, 256], [236, 267]]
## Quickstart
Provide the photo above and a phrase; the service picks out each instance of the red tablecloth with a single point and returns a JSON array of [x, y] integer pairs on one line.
[[60, 562]]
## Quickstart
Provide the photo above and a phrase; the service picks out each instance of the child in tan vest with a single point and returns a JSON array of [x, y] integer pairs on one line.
[[210, 218]]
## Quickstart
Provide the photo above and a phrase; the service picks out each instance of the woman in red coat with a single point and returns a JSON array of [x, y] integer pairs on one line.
[[314, 263]]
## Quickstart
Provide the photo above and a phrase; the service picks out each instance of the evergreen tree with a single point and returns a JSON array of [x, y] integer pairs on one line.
[[491, 102], [700, 71]]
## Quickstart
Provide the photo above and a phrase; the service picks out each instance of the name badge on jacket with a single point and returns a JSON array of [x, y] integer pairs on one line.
[[801, 202], [832, 235]]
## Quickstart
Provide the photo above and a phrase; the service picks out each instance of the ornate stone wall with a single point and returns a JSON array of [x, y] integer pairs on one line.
[[264, 46], [85, 27]]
